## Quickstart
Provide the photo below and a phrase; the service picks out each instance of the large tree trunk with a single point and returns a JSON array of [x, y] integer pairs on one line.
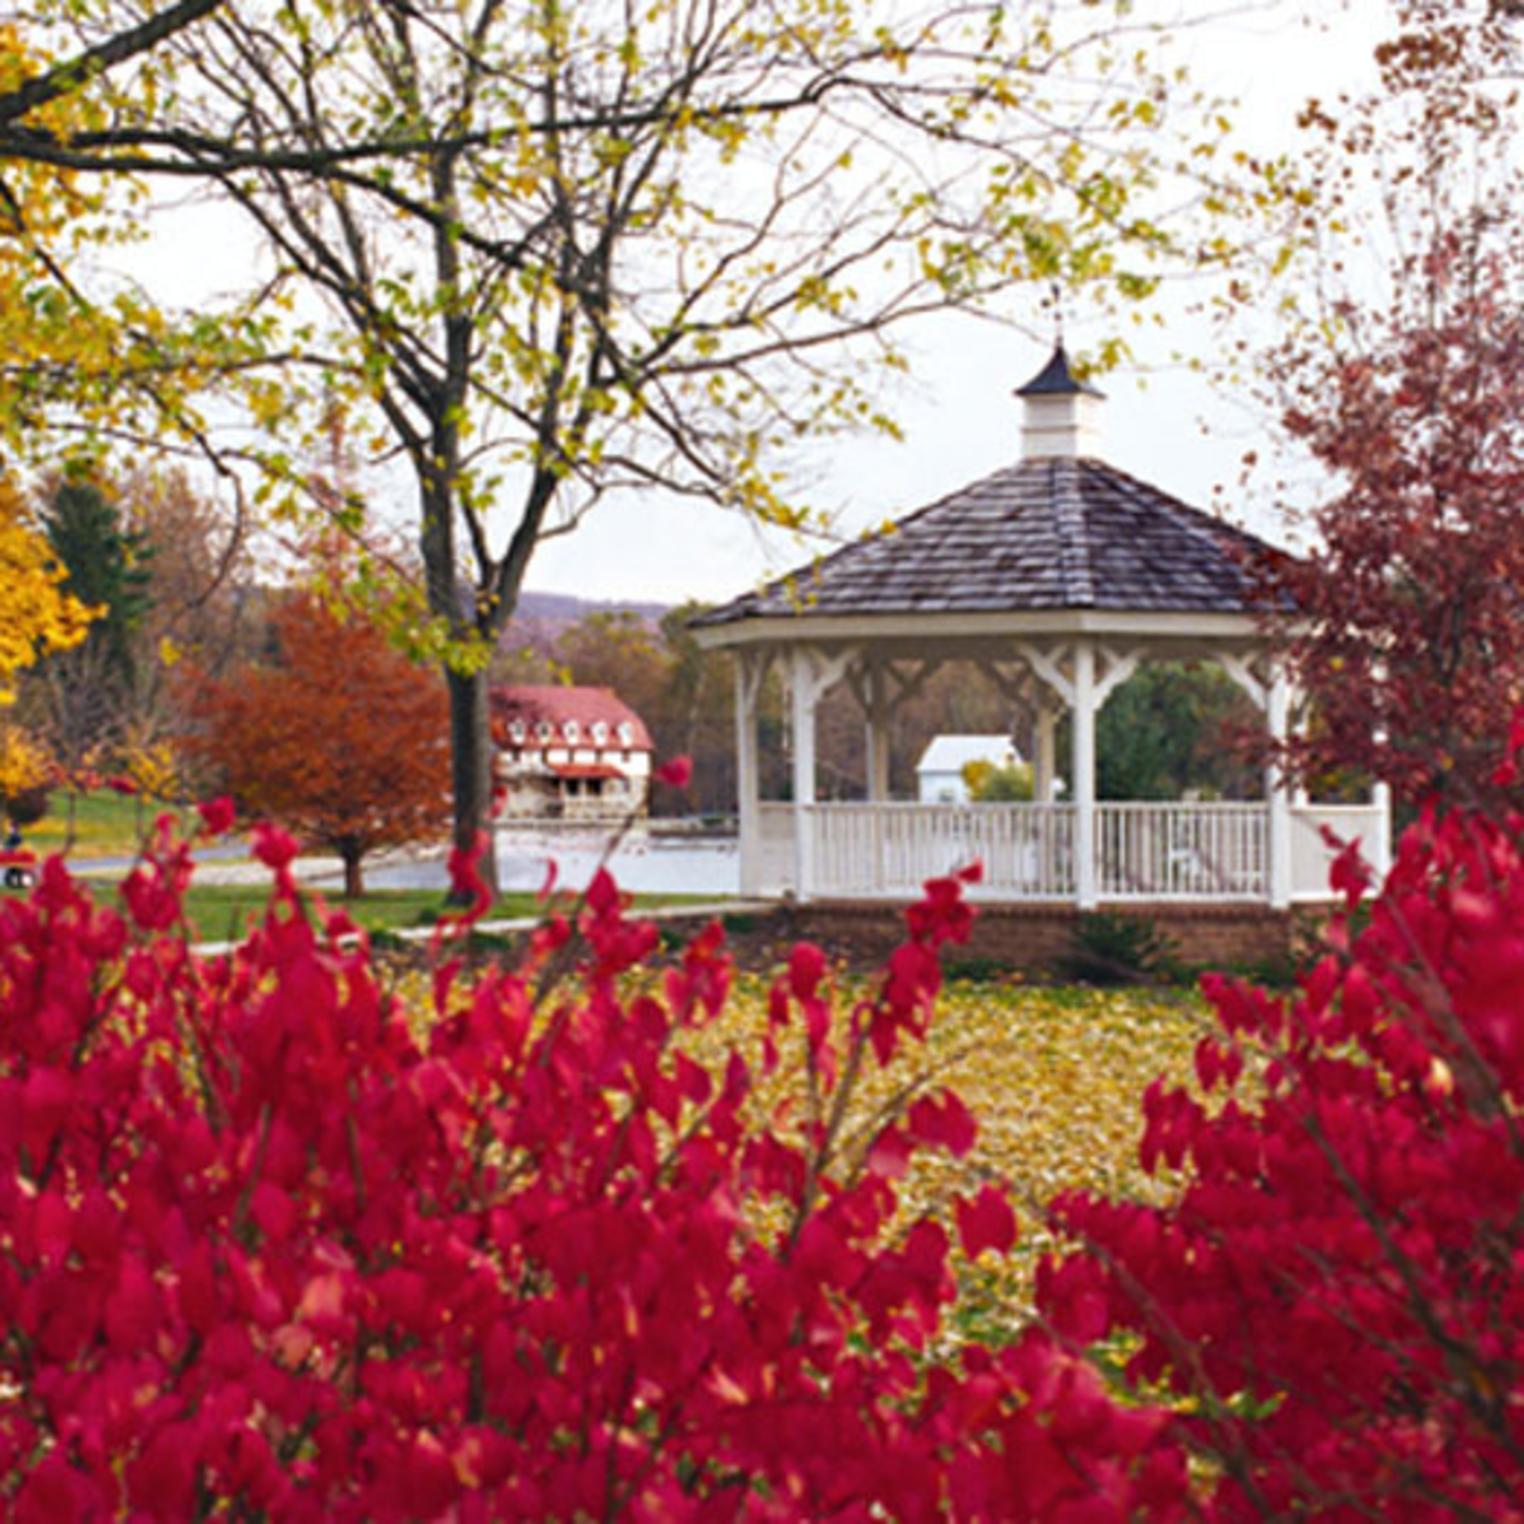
[[354, 882], [471, 766]]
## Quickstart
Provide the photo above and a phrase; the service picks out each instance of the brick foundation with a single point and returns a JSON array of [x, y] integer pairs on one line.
[[1036, 938]]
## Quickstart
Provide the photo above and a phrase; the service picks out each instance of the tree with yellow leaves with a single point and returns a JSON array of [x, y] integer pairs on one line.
[[36, 615], [26, 770], [83, 347]]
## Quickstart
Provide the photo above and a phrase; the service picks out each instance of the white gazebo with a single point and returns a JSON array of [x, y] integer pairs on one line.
[[1056, 577]]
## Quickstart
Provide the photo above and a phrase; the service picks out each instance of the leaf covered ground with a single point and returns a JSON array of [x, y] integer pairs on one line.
[[1055, 1077]]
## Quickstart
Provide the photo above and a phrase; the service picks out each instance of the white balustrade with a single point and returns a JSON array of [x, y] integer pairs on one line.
[[776, 830], [1311, 854], [1144, 851], [891, 849], [1169, 851]]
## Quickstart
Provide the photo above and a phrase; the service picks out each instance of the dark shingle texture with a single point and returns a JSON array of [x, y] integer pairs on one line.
[[1055, 379], [1048, 533]]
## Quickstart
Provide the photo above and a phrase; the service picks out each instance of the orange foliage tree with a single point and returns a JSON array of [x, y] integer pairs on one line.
[[339, 736]]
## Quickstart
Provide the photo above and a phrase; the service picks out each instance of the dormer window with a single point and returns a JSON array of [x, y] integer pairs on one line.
[[516, 732], [571, 730], [544, 731], [626, 733], [600, 733]]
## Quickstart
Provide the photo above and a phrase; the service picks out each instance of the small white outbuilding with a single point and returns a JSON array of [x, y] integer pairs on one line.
[[939, 773]]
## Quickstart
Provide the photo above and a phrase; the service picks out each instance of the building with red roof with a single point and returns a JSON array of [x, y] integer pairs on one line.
[[568, 753]]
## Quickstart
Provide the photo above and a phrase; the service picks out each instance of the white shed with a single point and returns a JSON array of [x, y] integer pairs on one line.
[[939, 773]]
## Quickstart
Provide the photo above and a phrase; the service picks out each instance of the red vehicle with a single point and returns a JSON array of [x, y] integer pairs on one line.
[[19, 865]]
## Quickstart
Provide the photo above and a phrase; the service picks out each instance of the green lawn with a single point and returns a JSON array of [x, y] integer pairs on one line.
[[106, 824], [219, 912]]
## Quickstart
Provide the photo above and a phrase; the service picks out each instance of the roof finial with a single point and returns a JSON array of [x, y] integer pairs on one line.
[[1058, 415]]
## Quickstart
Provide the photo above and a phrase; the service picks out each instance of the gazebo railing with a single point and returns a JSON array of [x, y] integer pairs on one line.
[[1365, 824], [1162, 851], [1144, 851], [863, 850]]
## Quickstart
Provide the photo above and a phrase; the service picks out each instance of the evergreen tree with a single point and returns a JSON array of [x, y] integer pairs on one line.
[[89, 688], [1167, 730], [107, 564]]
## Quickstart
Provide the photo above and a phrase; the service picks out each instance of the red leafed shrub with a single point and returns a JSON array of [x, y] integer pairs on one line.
[[1339, 1289], [265, 1252]]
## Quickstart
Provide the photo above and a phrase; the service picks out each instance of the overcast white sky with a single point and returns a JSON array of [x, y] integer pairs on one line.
[[1162, 423]]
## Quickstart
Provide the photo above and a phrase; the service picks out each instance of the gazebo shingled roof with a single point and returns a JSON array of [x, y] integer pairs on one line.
[[1052, 532]]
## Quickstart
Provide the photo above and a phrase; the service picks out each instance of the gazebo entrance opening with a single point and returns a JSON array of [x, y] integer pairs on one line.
[[1058, 577]]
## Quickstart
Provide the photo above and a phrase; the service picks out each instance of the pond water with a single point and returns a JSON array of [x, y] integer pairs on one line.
[[641, 864]]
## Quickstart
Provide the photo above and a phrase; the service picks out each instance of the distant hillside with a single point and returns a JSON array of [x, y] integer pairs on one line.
[[541, 618], [566, 608]]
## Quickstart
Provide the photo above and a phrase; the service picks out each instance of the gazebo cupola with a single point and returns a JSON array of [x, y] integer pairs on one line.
[[1060, 414], [1055, 577]]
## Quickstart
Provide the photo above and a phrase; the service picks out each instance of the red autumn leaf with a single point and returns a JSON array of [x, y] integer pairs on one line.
[[944, 1121], [273, 1211], [274, 847], [890, 1153], [132, 1308], [217, 815], [806, 968], [161, 1481], [676, 772], [603, 894], [1349, 874], [54, 1492], [466, 882], [985, 1222]]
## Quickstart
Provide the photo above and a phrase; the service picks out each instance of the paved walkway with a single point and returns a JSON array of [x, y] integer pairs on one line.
[[509, 925], [231, 863]]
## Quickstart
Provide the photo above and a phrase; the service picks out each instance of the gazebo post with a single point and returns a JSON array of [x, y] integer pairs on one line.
[[1380, 856], [1044, 763], [751, 670], [1084, 775], [875, 691], [811, 672], [802, 699], [1277, 792]]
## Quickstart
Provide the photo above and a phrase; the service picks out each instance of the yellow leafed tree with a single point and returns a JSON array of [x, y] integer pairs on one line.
[[25, 765], [153, 768], [36, 615], [47, 216]]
